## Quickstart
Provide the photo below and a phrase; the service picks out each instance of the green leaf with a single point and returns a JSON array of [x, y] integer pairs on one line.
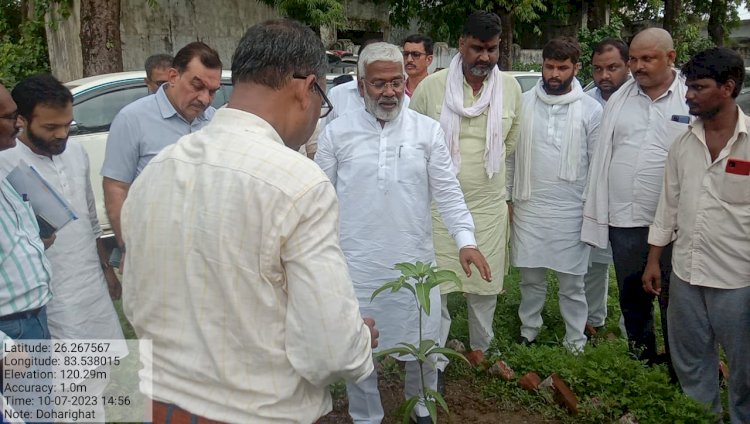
[[393, 285], [423, 297], [406, 408], [439, 398], [447, 352], [402, 351], [425, 345], [407, 269], [431, 408]]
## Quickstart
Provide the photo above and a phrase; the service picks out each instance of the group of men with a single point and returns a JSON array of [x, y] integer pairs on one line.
[[251, 267]]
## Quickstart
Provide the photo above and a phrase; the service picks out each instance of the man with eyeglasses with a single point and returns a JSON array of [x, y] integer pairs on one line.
[[24, 270], [143, 128], [417, 60], [235, 270], [346, 97], [157, 71], [479, 109], [387, 164]]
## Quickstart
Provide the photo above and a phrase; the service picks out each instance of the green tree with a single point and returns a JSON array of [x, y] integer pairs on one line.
[[23, 44], [444, 20], [310, 12], [588, 40]]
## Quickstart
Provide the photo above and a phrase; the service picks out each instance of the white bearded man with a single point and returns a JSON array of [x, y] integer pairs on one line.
[[560, 126], [388, 163]]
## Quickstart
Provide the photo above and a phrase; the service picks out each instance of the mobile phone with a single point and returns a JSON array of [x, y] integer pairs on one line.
[[738, 166], [682, 119]]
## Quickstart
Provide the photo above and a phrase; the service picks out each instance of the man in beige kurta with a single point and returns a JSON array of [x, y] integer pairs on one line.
[[479, 144]]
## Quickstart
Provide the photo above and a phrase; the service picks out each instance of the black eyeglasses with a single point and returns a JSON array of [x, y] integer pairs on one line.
[[326, 105], [11, 116], [415, 55]]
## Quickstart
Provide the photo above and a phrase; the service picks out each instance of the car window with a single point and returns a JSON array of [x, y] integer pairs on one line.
[[222, 96], [95, 114], [527, 82]]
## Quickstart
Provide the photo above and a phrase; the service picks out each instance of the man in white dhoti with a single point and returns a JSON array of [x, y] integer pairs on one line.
[[387, 164], [559, 129]]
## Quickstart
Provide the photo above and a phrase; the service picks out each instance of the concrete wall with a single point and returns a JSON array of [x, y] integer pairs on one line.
[[167, 27], [173, 23]]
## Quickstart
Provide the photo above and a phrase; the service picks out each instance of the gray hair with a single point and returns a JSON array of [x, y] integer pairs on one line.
[[270, 53], [161, 61], [385, 52]]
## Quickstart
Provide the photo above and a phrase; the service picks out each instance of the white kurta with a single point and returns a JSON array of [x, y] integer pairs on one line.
[[385, 179], [80, 307], [547, 227]]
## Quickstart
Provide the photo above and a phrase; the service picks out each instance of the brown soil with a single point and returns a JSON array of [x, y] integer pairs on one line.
[[464, 398]]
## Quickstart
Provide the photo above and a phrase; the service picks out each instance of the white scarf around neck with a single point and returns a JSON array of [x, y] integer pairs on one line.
[[570, 145], [453, 109]]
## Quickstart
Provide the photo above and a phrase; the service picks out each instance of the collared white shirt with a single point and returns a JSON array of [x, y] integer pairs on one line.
[[642, 137], [345, 98], [81, 307], [234, 271], [707, 208], [385, 179]]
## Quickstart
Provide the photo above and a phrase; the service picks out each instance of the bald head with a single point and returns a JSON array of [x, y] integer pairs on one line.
[[654, 37], [8, 121], [651, 58]]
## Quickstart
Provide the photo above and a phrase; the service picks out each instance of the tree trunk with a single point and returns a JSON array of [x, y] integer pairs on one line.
[[506, 39], [100, 37], [717, 22], [671, 11]]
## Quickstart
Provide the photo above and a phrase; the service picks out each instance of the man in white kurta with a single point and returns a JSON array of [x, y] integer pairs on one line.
[[558, 134], [387, 164], [81, 307]]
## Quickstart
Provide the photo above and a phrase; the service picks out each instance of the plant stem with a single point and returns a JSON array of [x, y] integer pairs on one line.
[[420, 308]]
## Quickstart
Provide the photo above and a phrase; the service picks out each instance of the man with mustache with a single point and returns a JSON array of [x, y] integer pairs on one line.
[[387, 164], [143, 128], [24, 269], [640, 122], [609, 60], [479, 110], [417, 58], [705, 204], [559, 130], [82, 279]]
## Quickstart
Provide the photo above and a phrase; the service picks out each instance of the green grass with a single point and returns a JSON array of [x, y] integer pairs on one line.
[[607, 381]]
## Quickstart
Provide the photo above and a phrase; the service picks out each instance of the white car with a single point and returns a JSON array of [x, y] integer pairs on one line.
[[526, 79], [96, 101]]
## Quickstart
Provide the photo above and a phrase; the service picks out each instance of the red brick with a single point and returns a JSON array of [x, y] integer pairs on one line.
[[530, 381], [475, 357], [563, 395], [502, 370]]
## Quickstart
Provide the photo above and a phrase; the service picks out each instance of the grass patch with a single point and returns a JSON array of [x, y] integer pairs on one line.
[[605, 377]]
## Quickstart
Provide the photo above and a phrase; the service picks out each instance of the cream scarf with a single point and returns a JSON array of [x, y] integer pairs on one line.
[[453, 109], [571, 142]]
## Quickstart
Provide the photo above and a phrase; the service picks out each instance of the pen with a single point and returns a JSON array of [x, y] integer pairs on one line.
[[399, 150]]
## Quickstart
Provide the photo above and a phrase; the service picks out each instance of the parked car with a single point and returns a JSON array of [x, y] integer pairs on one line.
[[96, 101], [743, 100], [527, 80]]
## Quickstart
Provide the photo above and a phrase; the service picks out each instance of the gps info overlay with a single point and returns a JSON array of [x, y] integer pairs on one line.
[[74, 381]]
